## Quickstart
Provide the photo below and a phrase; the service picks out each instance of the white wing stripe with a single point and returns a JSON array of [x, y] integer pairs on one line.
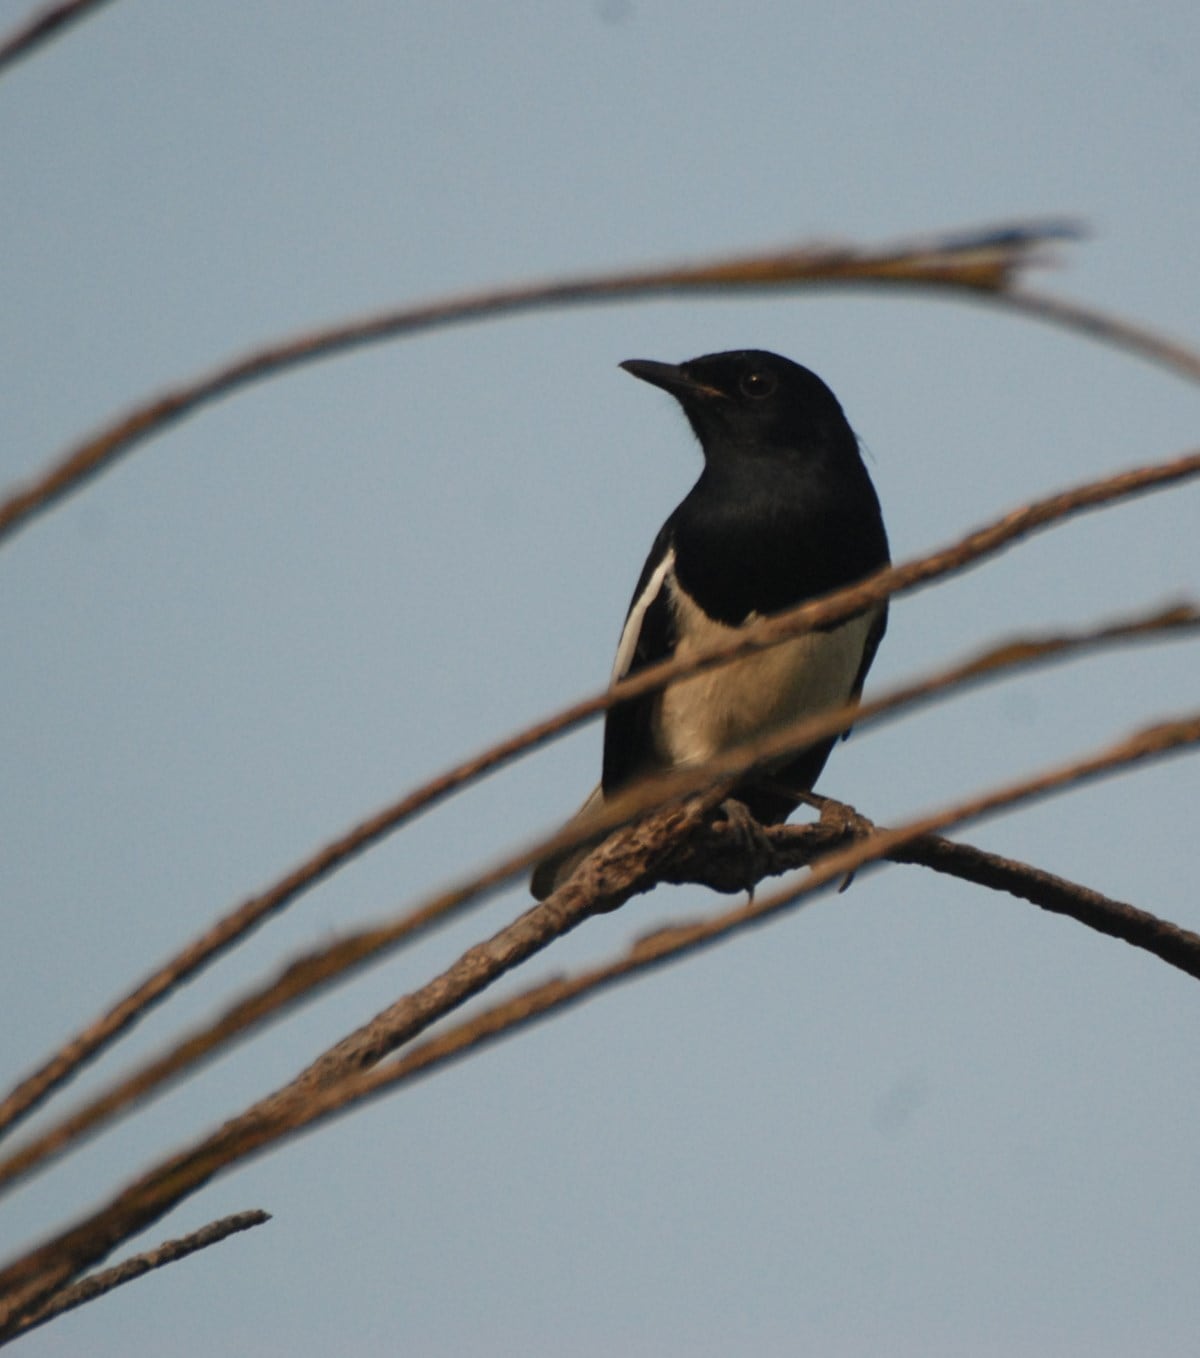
[[637, 613]]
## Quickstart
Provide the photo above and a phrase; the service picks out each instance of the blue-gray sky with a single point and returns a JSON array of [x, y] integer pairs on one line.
[[915, 1119]]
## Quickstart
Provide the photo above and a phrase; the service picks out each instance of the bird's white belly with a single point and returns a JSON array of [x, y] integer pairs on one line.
[[724, 707]]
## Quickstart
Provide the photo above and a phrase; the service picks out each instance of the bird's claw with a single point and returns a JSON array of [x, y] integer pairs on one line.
[[751, 839]]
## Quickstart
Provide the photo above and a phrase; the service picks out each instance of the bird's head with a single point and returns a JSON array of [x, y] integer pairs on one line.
[[750, 400]]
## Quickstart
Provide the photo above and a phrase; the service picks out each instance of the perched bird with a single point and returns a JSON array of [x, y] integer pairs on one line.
[[783, 512]]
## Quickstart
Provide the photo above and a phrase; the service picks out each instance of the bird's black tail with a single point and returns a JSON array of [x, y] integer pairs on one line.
[[555, 868]]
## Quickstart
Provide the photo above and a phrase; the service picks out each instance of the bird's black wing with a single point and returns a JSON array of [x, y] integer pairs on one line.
[[649, 636], [874, 637]]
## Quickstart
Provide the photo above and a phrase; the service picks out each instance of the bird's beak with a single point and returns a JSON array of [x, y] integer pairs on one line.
[[670, 377]]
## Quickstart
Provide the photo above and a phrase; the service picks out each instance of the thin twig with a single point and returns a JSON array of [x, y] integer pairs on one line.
[[169, 1252], [670, 943], [302, 979], [628, 857], [1108, 329], [984, 542], [308, 975], [1169, 942], [44, 24], [716, 858], [1152, 742], [975, 262], [617, 867]]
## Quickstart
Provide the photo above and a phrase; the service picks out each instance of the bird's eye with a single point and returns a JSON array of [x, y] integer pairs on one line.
[[758, 384]]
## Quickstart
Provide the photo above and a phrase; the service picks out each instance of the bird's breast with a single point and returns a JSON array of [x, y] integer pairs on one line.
[[703, 716]]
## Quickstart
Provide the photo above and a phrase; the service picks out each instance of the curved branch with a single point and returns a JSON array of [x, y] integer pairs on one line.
[[169, 1252], [1108, 329], [1168, 942], [308, 975], [227, 931], [668, 944], [716, 858], [976, 262], [40, 27], [619, 868]]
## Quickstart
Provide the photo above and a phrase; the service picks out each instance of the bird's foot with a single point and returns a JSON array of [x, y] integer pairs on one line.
[[751, 840], [841, 819]]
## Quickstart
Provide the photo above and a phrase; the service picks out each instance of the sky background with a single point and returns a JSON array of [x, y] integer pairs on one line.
[[915, 1119]]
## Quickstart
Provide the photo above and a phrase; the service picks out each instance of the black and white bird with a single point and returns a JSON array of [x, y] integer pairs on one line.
[[783, 512]]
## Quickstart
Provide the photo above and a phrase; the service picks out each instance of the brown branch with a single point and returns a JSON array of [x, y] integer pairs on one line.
[[982, 265], [310, 974], [716, 858], [668, 944], [614, 872], [1108, 329], [620, 867], [977, 262], [224, 934], [915, 574], [40, 27], [169, 1252], [893, 581], [1169, 942], [316, 971]]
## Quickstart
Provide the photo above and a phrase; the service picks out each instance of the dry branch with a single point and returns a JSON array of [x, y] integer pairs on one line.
[[40, 27], [1108, 329], [617, 869], [231, 928], [308, 975], [628, 858], [634, 857], [982, 263], [916, 841], [169, 1252], [1139, 928], [715, 858], [673, 842]]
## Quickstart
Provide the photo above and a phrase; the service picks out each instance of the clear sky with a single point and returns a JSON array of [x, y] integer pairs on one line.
[[916, 1119]]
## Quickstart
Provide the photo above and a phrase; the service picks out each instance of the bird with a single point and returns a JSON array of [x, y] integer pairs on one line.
[[784, 511]]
